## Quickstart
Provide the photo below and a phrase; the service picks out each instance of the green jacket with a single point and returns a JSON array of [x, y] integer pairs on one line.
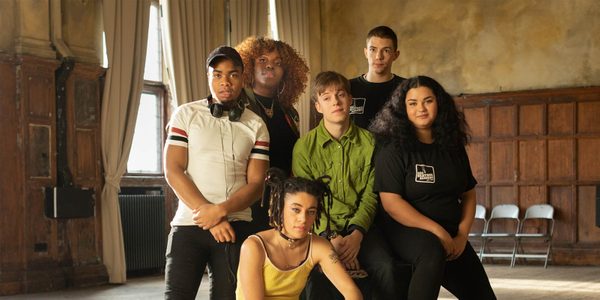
[[348, 163]]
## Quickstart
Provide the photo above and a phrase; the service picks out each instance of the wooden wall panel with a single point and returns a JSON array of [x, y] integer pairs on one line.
[[530, 195], [588, 158], [476, 118], [561, 154], [541, 147], [39, 87], [502, 121], [502, 162], [586, 225], [481, 193], [478, 157], [588, 117], [83, 115], [40, 162], [85, 160], [562, 198], [11, 178], [39, 253], [532, 160], [560, 118], [502, 195], [531, 119]]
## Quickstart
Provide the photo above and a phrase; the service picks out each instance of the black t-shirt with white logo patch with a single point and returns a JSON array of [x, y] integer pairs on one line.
[[430, 178]]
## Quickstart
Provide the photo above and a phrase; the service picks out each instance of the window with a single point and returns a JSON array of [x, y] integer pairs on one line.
[[145, 156]]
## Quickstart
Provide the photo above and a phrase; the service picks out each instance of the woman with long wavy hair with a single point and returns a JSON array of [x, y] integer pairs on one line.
[[426, 186]]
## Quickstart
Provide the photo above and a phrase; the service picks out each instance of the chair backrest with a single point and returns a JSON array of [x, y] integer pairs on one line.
[[480, 212], [505, 211], [540, 211]]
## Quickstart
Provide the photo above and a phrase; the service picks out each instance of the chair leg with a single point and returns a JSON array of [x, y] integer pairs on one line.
[[515, 245], [547, 254]]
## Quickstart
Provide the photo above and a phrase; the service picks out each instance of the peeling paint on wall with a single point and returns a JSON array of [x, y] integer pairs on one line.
[[472, 46]]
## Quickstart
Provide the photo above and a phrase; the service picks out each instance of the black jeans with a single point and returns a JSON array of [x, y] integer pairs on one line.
[[464, 277], [190, 249], [376, 258]]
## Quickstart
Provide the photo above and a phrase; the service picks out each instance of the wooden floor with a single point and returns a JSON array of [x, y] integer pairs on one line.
[[520, 282]]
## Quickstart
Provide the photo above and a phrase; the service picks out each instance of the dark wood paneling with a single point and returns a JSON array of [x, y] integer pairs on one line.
[[588, 117], [561, 154], [502, 121], [586, 225], [560, 118], [38, 253], [530, 195], [562, 198], [478, 156], [531, 119], [502, 162], [11, 179], [588, 158], [532, 160], [476, 118], [542, 147]]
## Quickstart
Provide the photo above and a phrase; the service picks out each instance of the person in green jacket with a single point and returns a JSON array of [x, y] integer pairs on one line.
[[343, 151]]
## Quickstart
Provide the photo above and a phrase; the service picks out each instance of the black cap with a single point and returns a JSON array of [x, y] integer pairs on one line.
[[227, 52]]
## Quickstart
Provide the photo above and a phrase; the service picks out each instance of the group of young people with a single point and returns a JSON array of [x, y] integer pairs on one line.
[[383, 178]]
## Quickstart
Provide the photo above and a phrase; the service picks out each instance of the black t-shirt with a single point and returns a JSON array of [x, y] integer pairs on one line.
[[368, 98], [430, 178], [282, 137]]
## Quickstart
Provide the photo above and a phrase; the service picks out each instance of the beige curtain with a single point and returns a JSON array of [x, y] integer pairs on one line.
[[292, 26], [248, 17], [191, 29], [126, 29]]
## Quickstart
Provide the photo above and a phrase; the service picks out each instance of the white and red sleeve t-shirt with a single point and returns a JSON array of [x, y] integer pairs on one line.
[[218, 153]]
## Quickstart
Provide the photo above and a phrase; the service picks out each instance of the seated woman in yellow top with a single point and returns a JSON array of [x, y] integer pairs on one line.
[[275, 263]]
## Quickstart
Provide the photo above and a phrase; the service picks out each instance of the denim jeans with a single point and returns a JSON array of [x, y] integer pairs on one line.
[[190, 249]]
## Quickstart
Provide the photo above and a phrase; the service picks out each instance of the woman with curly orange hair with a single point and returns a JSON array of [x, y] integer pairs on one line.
[[274, 77]]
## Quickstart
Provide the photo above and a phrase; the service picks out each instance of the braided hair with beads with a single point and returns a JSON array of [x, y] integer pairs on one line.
[[278, 185]]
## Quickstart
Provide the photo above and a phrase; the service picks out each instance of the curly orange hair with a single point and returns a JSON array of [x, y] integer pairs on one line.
[[295, 70]]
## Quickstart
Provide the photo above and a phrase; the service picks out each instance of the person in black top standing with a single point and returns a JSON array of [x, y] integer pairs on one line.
[[275, 76], [371, 90], [426, 186]]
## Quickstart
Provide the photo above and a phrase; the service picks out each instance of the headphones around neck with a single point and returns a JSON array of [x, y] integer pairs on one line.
[[234, 113]]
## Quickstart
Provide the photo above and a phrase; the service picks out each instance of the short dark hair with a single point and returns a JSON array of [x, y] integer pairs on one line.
[[384, 32], [326, 79]]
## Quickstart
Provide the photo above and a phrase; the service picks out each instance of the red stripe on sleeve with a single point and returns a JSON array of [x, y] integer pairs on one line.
[[179, 131], [261, 143]]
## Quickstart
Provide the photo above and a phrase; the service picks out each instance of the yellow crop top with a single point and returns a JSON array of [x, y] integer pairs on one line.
[[282, 284]]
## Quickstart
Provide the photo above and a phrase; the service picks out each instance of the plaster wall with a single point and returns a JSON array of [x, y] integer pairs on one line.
[[7, 23], [82, 29], [471, 46]]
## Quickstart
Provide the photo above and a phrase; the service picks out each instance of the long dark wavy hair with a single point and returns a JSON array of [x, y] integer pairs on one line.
[[278, 185], [391, 124], [295, 70]]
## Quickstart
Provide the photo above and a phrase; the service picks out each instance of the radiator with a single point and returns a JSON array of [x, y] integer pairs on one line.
[[143, 221]]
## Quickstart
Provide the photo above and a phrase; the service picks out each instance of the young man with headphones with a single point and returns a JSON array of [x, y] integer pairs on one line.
[[215, 160]]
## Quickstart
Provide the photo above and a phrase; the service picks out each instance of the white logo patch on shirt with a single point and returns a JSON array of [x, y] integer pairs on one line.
[[358, 106], [424, 173]]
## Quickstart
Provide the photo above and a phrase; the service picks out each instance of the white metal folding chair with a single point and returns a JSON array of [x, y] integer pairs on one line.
[[479, 227], [538, 226], [502, 213]]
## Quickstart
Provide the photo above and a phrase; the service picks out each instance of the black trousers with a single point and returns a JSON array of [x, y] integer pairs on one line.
[[376, 258], [190, 249], [464, 277]]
